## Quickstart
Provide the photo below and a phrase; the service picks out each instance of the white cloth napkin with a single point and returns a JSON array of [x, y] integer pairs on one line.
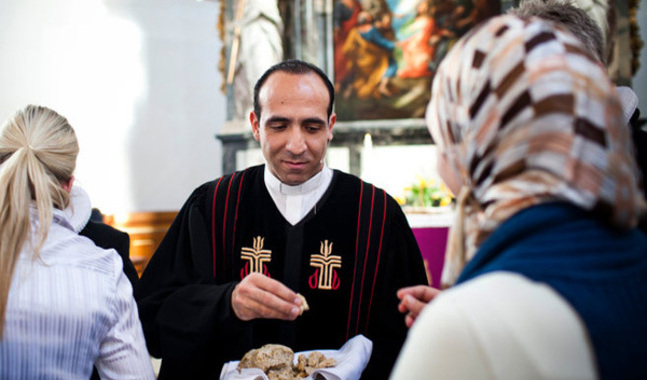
[[351, 359]]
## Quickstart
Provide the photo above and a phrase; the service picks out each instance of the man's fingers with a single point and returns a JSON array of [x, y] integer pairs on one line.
[[259, 296], [248, 308], [274, 287], [423, 293], [270, 305], [402, 307], [408, 320], [412, 308], [415, 291], [265, 310], [413, 299], [414, 305]]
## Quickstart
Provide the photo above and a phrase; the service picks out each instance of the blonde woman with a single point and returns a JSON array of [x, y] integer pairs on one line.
[[547, 269], [65, 304]]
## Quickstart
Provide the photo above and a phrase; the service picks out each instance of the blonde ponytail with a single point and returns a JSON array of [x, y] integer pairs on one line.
[[38, 150]]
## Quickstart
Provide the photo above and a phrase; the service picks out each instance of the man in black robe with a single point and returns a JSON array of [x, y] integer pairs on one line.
[[225, 277]]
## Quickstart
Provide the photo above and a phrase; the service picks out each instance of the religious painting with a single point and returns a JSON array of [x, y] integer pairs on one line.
[[386, 52]]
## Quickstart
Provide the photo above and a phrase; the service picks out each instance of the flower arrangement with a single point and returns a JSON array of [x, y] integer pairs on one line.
[[426, 193]]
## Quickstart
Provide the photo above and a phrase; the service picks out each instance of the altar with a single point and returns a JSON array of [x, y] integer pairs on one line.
[[431, 232]]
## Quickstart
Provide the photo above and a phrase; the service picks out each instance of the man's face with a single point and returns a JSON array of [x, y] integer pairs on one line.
[[294, 129]]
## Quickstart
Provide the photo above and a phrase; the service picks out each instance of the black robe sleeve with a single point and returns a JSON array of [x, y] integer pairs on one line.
[[187, 318], [403, 266]]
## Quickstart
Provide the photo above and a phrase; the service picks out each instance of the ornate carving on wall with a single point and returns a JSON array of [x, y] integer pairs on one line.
[[222, 65]]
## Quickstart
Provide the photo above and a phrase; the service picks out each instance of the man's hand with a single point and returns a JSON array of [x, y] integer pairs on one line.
[[258, 296], [413, 299]]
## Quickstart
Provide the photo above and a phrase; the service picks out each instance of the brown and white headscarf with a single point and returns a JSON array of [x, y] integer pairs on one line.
[[525, 115]]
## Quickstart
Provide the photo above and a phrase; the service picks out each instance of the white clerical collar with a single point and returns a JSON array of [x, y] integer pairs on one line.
[[275, 185], [295, 202]]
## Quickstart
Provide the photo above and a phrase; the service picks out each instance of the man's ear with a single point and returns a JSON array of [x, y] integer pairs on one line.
[[255, 122], [331, 124]]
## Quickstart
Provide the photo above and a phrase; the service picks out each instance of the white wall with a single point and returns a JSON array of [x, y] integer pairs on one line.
[[137, 79]]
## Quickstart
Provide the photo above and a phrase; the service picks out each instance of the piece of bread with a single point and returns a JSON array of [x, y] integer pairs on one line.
[[304, 304], [277, 362], [268, 357]]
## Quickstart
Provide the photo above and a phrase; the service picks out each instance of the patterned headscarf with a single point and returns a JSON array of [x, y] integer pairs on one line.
[[524, 115]]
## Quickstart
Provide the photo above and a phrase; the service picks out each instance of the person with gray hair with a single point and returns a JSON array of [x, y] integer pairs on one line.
[[567, 14], [577, 21]]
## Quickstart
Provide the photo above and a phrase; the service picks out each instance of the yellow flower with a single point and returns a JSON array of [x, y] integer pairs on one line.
[[446, 200]]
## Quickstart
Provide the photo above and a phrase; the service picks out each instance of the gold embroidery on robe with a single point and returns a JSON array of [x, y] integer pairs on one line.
[[256, 257], [325, 277]]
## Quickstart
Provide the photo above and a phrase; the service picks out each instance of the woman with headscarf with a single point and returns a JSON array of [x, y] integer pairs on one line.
[[548, 273], [65, 304]]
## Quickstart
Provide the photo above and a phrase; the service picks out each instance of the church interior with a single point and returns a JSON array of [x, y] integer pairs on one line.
[[150, 87], [159, 92]]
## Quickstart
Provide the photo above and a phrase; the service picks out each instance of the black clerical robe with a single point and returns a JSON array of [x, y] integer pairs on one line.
[[348, 257]]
